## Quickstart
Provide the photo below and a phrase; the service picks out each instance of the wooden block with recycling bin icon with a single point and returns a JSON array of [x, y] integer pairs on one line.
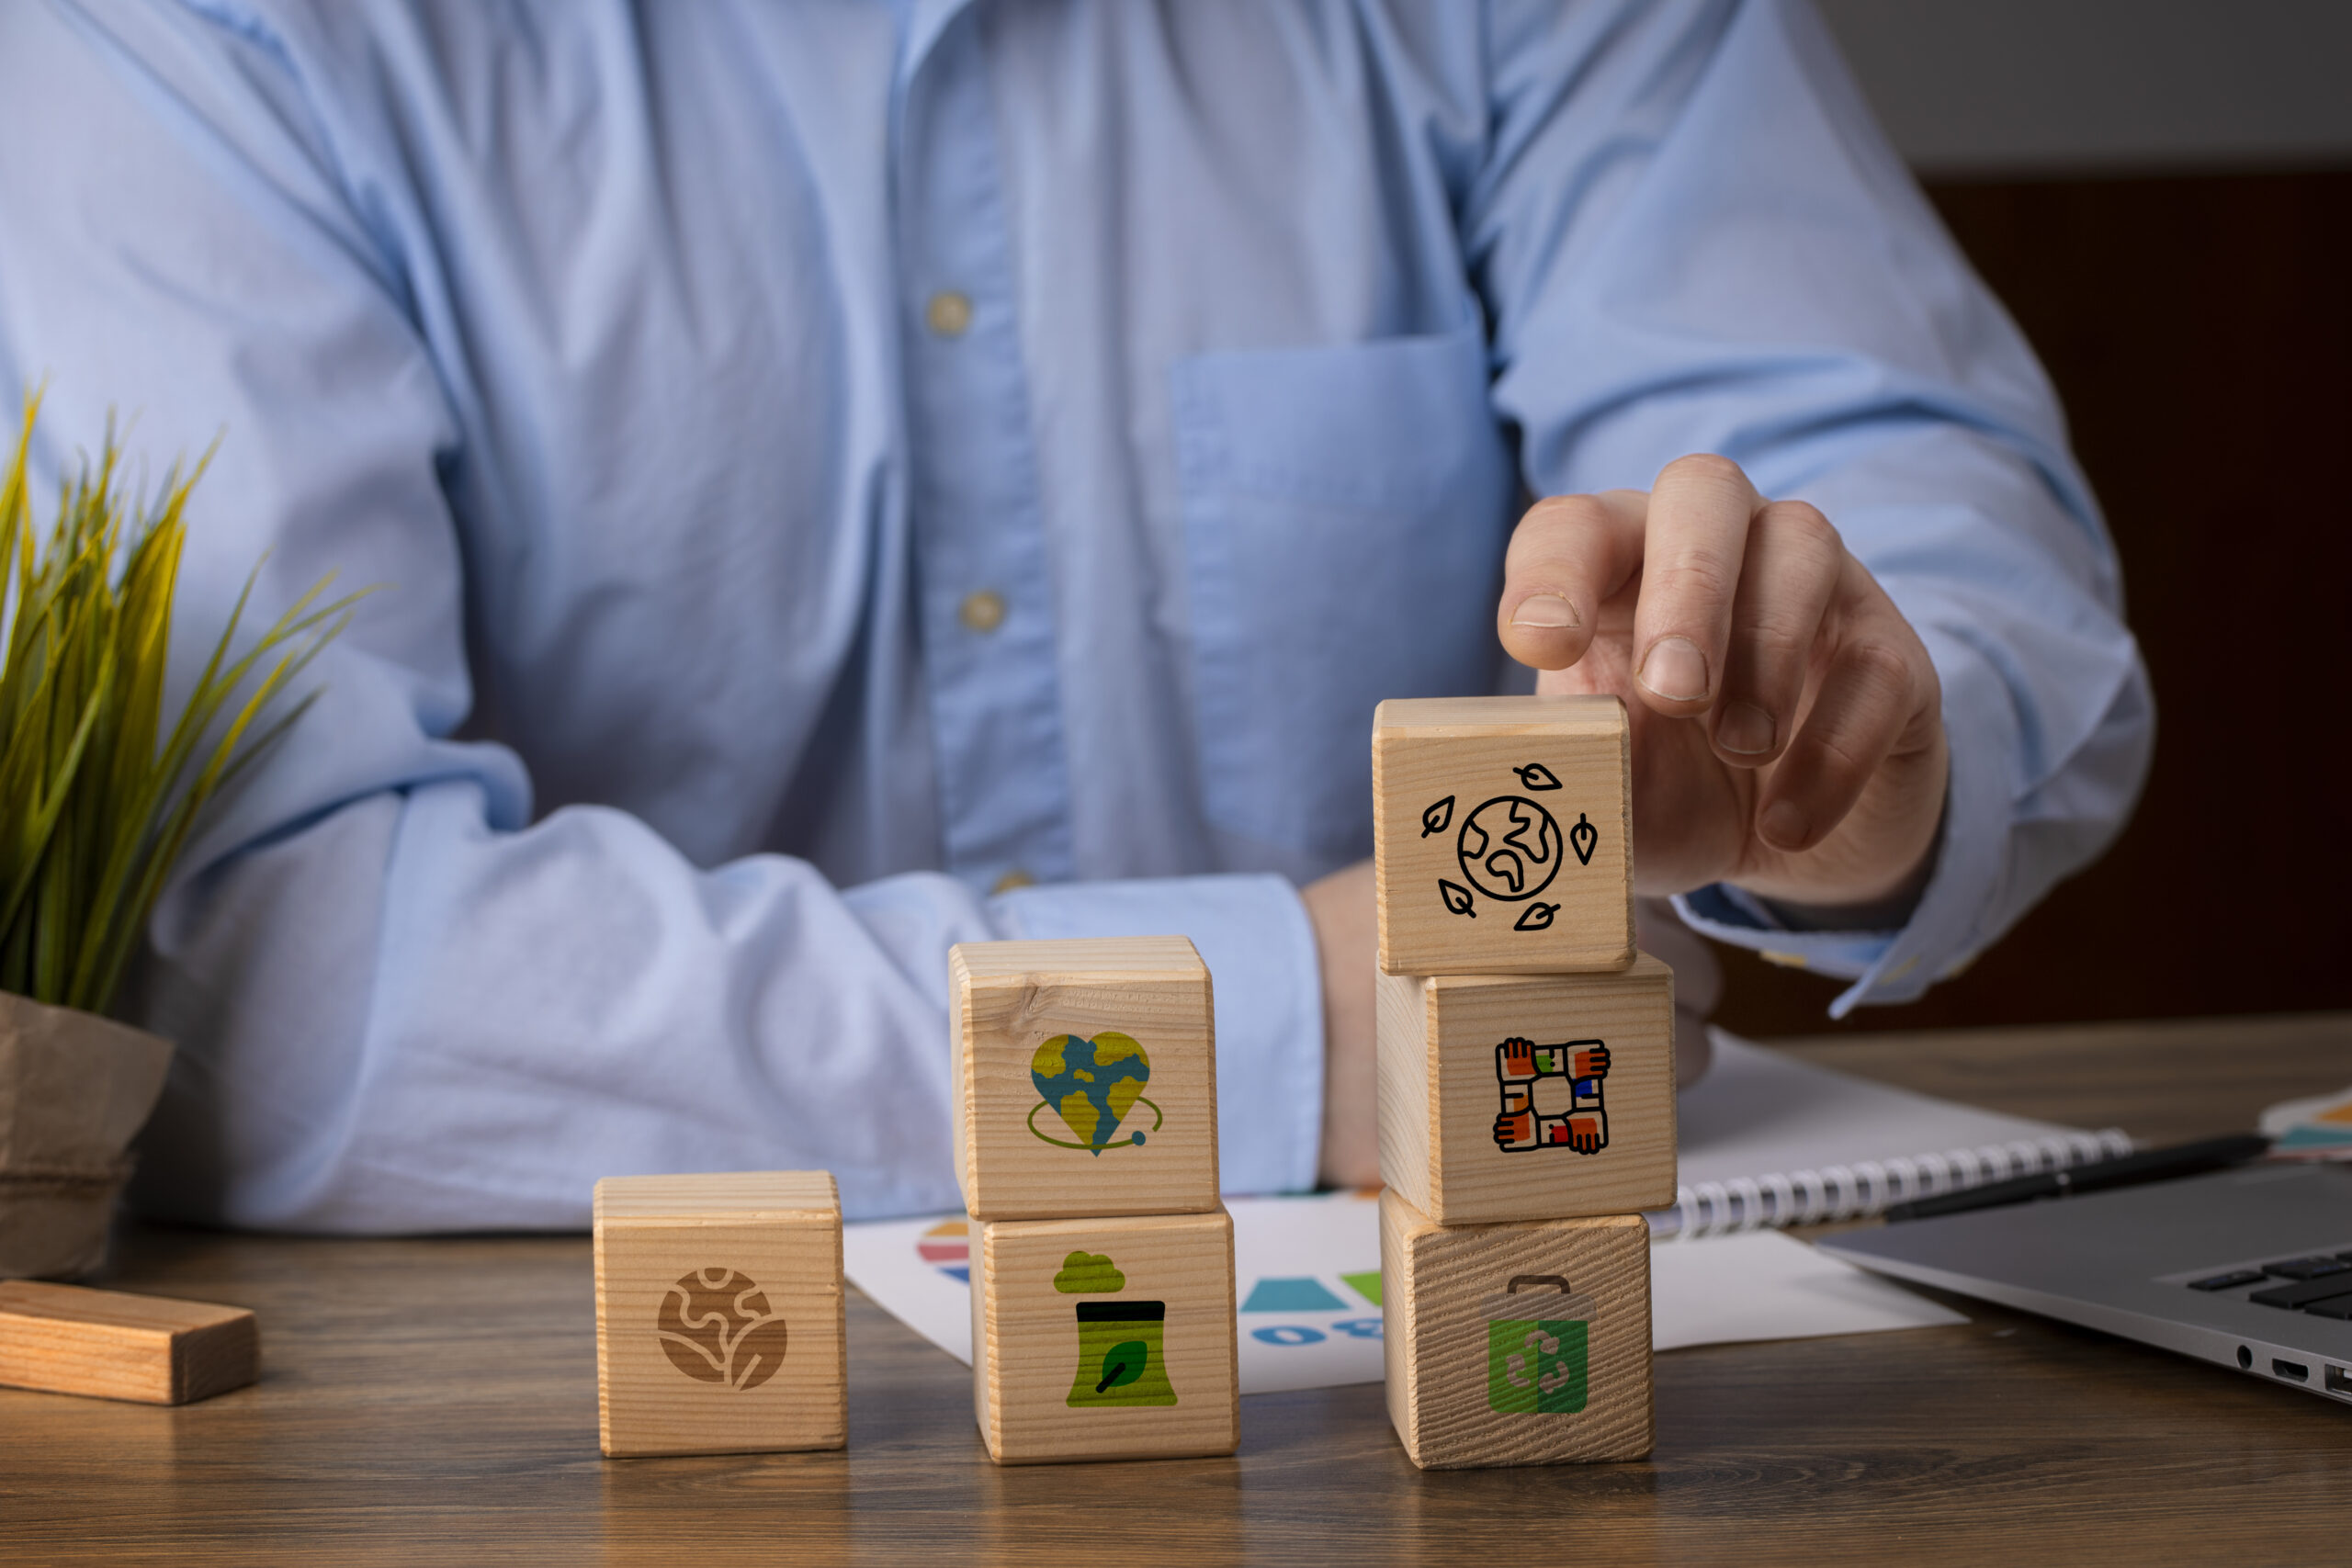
[[1104, 1339], [1526, 1342], [1502, 834], [720, 1314], [1085, 1078], [1523, 1097]]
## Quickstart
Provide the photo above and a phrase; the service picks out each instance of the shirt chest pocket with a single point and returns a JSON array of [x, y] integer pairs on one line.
[[1345, 514]]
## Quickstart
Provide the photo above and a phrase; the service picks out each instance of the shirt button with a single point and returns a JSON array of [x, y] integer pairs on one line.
[[982, 610], [949, 313], [1011, 879]]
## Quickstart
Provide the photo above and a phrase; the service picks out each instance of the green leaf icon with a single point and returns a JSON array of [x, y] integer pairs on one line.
[[1122, 1363]]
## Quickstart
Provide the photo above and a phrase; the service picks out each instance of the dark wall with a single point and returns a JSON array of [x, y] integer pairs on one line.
[[2199, 331]]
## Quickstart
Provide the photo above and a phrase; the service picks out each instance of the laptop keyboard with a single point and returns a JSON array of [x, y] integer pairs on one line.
[[2319, 1285]]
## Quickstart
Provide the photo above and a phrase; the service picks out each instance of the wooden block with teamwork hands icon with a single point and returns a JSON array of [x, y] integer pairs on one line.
[[1085, 1078], [1502, 834], [1521, 1343], [720, 1314], [1525, 1097], [1104, 1339]]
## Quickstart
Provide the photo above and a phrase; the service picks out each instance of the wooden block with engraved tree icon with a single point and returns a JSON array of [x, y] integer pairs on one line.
[[1085, 1078], [1502, 834], [720, 1314], [1526, 1342], [1104, 1339], [1522, 1097]]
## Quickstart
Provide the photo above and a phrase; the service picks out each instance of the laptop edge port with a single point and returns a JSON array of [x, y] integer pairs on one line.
[[2339, 1381], [2293, 1371]]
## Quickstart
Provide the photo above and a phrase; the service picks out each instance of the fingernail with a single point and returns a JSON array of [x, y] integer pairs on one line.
[[1675, 669], [1745, 729], [1545, 611], [1784, 825]]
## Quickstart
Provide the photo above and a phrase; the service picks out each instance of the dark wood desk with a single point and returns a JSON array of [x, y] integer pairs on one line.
[[437, 1401]]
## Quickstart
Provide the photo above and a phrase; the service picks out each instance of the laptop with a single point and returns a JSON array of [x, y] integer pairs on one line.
[[2249, 1267]]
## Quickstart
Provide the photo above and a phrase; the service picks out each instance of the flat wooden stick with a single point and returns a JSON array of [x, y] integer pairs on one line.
[[112, 1345]]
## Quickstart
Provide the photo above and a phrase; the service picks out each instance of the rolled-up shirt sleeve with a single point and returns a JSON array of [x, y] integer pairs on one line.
[[1691, 237]]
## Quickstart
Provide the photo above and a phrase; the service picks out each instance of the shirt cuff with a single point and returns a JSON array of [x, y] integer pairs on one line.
[[1946, 929], [1267, 979]]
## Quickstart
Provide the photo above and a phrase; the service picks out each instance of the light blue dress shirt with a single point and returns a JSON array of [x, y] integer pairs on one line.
[[832, 463]]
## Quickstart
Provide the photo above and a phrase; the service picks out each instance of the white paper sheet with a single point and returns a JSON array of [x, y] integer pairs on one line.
[[1306, 1273]]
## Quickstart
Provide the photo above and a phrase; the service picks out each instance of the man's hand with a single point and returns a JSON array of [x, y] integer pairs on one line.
[[1787, 727]]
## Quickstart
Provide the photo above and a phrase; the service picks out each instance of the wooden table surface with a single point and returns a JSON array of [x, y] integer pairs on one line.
[[435, 1401]]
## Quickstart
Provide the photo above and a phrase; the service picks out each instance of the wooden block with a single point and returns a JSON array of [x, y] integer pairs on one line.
[[1502, 835], [1528, 1097], [1104, 1339], [1525, 1343], [719, 1313], [1085, 1078], [67, 1340]]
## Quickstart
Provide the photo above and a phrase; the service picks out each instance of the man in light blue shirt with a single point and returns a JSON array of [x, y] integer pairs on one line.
[[862, 477]]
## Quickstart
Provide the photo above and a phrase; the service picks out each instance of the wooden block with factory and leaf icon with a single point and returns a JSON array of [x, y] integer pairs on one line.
[[1105, 1337]]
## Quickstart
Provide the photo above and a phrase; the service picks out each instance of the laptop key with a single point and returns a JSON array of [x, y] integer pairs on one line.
[[2335, 1306], [2307, 1267], [2229, 1281], [2304, 1292]]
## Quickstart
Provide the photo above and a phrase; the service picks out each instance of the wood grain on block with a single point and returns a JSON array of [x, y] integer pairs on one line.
[[1085, 1078], [1528, 1097], [1502, 834], [1525, 1343], [1104, 1339], [67, 1340], [720, 1314]]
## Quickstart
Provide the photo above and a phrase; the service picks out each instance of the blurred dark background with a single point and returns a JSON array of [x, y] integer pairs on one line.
[[2161, 193]]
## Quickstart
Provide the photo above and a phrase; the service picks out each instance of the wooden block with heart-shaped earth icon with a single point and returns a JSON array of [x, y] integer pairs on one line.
[[720, 1314], [1502, 835], [1085, 1078]]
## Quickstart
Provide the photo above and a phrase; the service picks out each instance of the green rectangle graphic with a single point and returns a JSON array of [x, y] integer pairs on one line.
[[1536, 1350]]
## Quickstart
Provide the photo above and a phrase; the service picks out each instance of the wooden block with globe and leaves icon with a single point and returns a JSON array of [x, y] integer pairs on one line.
[[720, 1314], [1085, 1078], [1502, 835], [1104, 1339]]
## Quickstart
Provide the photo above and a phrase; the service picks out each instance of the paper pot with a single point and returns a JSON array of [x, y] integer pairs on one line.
[[74, 1090]]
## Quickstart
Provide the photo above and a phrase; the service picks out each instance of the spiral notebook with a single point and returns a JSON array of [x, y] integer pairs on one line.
[[1767, 1140]]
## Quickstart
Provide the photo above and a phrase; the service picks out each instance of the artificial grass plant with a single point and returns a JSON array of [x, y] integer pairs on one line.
[[96, 798]]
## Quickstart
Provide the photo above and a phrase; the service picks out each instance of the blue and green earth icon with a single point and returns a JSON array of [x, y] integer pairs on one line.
[[1092, 1085]]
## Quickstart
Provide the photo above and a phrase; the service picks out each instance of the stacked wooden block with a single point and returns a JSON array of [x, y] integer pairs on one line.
[[1085, 1128], [1526, 1068]]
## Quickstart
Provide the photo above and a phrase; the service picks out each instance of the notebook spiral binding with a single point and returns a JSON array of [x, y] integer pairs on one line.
[[1865, 1188]]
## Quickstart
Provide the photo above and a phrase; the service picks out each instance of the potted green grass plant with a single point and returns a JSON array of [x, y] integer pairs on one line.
[[98, 797]]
